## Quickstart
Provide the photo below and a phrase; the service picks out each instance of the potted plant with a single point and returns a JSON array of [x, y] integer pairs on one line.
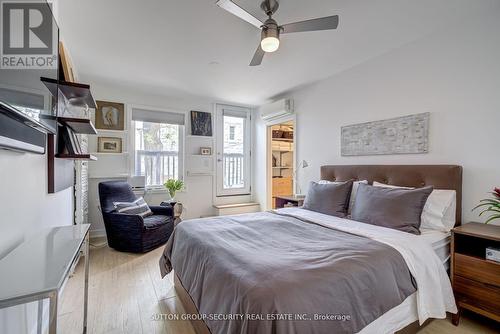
[[173, 186], [491, 205]]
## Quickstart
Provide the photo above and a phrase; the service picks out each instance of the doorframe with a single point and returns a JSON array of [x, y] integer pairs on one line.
[[269, 155], [218, 114]]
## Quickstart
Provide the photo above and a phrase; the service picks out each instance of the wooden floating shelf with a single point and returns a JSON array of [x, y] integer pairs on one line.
[[78, 125], [76, 157], [289, 140], [283, 167], [78, 94]]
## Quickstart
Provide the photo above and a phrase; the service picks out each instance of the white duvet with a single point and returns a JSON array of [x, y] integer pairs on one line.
[[434, 294]]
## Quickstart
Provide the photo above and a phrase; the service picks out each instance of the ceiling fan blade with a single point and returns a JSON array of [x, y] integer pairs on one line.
[[240, 12], [257, 57], [324, 23]]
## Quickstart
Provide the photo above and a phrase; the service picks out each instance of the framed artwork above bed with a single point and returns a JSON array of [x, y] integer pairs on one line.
[[401, 135]]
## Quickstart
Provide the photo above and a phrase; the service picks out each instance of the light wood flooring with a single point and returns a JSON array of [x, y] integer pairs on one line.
[[126, 291]]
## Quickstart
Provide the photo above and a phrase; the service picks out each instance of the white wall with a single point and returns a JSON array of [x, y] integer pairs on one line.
[[454, 74], [25, 208]]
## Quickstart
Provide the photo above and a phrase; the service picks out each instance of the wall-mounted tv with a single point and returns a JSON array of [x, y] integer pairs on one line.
[[28, 52]]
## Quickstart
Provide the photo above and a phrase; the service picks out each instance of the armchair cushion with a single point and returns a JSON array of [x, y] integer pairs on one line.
[[114, 191]]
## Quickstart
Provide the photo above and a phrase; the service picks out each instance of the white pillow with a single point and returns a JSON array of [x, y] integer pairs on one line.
[[355, 186], [439, 211]]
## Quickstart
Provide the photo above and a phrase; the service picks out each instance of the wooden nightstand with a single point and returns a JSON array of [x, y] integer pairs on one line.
[[476, 281], [286, 201]]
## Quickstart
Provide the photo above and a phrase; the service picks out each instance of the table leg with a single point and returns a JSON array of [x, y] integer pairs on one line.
[[53, 313], [39, 317], [86, 284]]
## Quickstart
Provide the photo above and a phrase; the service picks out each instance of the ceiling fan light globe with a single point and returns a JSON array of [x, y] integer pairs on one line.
[[270, 44]]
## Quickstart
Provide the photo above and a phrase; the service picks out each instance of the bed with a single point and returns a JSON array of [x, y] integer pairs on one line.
[[285, 268]]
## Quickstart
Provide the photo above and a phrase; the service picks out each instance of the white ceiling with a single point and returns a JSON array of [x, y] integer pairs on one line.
[[194, 47]]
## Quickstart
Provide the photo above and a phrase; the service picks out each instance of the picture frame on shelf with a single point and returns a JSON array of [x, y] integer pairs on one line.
[[201, 123], [110, 116], [109, 145], [205, 150], [67, 66]]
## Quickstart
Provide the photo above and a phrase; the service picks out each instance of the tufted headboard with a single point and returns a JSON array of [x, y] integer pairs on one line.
[[439, 176]]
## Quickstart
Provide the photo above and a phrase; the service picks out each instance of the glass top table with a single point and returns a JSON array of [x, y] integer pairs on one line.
[[38, 268]]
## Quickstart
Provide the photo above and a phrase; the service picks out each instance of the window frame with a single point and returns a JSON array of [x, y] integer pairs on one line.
[[132, 151], [245, 113]]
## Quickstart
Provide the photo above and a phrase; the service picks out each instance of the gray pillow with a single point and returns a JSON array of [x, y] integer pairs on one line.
[[331, 199], [137, 207], [399, 209]]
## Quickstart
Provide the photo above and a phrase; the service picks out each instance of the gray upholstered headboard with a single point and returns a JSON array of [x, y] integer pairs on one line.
[[439, 176]]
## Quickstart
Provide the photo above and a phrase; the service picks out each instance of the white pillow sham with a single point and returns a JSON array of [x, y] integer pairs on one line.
[[355, 186], [439, 211]]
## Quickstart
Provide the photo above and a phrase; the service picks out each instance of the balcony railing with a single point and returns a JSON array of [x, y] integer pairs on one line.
[[233, 171], [157, 166]]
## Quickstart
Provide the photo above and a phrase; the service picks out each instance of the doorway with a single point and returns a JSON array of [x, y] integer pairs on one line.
[[281, 160], [233, 151]]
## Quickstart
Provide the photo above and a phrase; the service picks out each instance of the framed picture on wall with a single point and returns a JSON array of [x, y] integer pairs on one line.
[[205, 150], [201, 123], [110, 115], [109, 145]]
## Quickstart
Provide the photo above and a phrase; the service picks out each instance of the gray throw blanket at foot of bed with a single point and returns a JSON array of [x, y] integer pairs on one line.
[[276, 274]]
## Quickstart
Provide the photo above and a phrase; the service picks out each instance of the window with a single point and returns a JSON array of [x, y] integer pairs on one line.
[[158, 146], [233, 151], [231, 132]]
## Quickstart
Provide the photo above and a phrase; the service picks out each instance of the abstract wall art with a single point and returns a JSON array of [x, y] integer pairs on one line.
[[401, 135]]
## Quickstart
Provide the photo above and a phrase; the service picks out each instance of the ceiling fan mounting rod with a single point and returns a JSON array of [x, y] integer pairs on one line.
[[269, 6]]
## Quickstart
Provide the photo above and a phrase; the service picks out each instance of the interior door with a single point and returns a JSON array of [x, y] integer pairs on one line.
[[233, 150]]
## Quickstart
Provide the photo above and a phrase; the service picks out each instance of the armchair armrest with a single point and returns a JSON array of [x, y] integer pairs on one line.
[[121, 221], [167, 210]]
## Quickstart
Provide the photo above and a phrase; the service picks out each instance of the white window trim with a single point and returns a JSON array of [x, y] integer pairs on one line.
[[131, 144], [219, 138]]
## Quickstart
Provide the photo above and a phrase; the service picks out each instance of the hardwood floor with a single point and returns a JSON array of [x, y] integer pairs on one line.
[[126, 292]]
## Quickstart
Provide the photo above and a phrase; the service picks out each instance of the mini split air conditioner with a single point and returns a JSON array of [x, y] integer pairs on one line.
[[276, 109]]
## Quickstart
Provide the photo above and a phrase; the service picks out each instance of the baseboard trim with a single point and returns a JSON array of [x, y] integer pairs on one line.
[[97, 233]]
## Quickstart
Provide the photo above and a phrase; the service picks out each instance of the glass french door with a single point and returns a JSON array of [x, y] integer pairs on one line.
[[233, 150]]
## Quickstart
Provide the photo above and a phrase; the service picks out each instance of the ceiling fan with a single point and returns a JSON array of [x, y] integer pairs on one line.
[[271, 31]]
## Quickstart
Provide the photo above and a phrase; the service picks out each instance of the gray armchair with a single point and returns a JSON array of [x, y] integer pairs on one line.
[[132, 233]]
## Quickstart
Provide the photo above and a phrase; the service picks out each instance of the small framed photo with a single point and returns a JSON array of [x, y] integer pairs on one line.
[[110, 116], [206, 151], [109, 145]]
